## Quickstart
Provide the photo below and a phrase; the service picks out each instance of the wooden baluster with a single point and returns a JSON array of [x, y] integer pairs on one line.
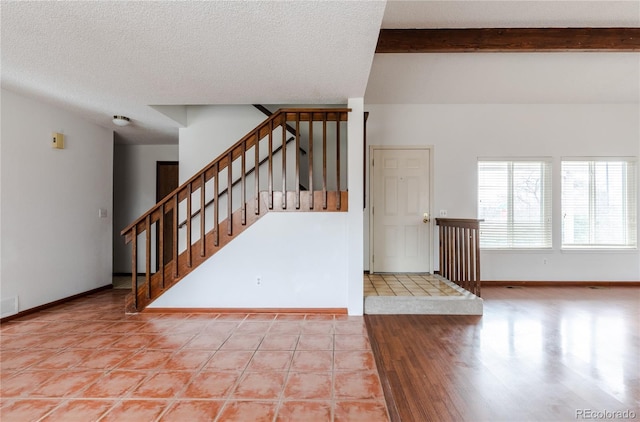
[[270, 164], [463, 264], [458, 257], [256, 171], [338, 162], [477, 260], [160, 251], [284, 161], [465, 260], [443, 251], [216, 205], [134, 265], [468, 257], [441, 238], [451, 254], [189, 261], [243, 198], [454, 244], [147, 267], [471, 253], [297, 161], [324, 161], [230, 195], [472, 263], [175, 235], [445, 247], [311, 195], [202, 214], [456, 249]]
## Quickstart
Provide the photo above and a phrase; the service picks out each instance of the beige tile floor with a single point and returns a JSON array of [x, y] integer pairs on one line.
[[85, 360], [407, 285]]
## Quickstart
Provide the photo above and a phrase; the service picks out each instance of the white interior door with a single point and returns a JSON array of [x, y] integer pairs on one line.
[[400, 200]]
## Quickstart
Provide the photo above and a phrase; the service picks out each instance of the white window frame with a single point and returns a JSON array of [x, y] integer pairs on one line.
[[547, 205], [631, 205]]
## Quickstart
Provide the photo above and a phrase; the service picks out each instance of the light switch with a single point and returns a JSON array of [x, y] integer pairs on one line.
[[102, 212]]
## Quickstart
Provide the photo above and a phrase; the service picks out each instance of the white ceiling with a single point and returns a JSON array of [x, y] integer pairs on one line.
[[121, 57], [511, 14], [505, 78]]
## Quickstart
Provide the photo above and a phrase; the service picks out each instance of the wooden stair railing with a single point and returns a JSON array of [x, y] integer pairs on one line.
[[236, 182], [229, 194], [460, 252]]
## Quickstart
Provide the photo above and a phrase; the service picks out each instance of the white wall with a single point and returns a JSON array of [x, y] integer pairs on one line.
[[460, 133], [210, 131], [54, 245], [134, 192], [355, 221], [312, 276]]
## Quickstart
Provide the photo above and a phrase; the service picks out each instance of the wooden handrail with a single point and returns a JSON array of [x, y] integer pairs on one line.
[[235, 182], [269, 113], [290, 129], [460, 252]]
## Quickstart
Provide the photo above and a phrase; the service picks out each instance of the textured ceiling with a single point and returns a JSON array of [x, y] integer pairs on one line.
[[147, 59], [105, 58]]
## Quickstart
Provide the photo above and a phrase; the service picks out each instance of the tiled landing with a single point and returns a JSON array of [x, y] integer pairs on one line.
[[417, 294], [88, 361]]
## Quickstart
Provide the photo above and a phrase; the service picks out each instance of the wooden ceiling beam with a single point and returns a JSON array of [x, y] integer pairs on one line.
[[508, 40]]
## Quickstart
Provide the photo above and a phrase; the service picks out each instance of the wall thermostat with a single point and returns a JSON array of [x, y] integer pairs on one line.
[[57, 140]]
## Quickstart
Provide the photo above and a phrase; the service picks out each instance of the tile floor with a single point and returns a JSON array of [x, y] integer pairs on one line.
[[407, 285], [87, 361]]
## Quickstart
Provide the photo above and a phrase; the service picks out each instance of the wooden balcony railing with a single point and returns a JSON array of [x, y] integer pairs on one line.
[[460, 252], [254, 176]]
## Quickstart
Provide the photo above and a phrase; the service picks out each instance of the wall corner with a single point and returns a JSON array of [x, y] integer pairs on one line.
[[355, 219]]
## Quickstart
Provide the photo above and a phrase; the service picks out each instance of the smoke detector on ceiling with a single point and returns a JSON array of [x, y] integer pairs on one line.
[[121, 120]]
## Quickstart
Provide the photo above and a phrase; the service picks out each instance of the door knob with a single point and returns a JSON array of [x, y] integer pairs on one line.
[[425, 217]]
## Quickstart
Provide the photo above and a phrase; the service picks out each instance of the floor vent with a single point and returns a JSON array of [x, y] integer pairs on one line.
[[513, 287], [8, 306]]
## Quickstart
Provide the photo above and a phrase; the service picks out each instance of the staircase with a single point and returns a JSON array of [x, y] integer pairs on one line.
[[258, 174]]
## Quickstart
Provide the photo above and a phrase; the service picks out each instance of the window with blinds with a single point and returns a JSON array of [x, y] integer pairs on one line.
[[599, 205], [514, 199]]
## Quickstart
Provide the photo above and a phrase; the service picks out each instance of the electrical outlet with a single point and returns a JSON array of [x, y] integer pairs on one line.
[[544, 261], [259, 280], [443, 213]]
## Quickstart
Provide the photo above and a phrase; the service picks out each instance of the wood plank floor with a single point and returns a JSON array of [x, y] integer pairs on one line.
[[537, 354]]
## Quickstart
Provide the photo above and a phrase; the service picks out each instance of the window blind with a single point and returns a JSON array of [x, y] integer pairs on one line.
[[514, 199], [599, 203]]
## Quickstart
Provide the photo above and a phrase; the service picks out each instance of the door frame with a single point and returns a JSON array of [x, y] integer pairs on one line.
[[372, 194]]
